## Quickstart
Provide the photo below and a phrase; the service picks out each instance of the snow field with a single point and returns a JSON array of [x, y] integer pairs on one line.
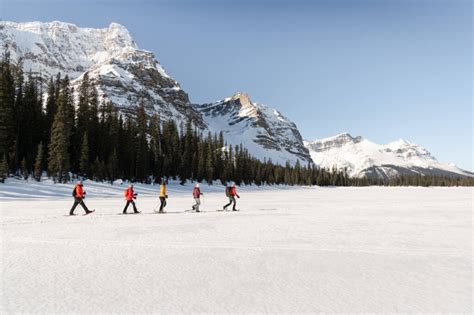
[[294, 250]]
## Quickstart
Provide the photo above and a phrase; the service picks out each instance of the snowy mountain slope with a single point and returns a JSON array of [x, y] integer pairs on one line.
[[264, 131], [362, 157], [127, 76]]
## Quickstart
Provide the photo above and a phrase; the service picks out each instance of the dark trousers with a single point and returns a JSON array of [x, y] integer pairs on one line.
[[78, 201], [163, 203], [231, 200], [128, 203]]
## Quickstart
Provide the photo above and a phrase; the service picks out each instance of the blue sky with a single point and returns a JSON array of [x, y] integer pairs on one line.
[[383, 69]]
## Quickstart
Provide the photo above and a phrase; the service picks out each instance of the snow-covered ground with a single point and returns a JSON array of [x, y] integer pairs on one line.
[[368, 249]]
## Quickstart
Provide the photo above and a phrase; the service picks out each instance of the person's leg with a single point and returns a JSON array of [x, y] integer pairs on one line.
[[134, 207], [163, 203], [235, 203], [76, 202], [198, 203], [230, 202], [126, 207], [84, 206]]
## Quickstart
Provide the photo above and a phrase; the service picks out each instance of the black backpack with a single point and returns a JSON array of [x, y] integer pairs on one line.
[[74, 192], [227, 191]]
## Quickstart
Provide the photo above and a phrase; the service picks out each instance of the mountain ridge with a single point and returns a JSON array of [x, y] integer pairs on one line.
[[128, 75], [362, 157]]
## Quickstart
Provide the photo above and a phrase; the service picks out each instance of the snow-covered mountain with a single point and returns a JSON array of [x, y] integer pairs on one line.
[[127, 76], [264, 131], [362, 157]]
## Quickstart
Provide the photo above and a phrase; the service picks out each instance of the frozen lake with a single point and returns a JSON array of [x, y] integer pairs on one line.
[[368, 249]]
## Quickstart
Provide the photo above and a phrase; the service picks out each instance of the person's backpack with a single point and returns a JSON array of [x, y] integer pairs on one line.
[[227, 191], [125, 193], [74, 192]]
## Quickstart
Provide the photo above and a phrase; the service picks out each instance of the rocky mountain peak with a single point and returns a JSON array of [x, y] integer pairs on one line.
[[243, 98], [333, 142]]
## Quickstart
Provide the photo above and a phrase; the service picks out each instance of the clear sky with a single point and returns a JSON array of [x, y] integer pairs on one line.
[[383, 69]]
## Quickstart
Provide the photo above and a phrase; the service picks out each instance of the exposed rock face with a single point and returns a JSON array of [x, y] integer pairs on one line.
[[333, 142], [259, 128], [361, 157]]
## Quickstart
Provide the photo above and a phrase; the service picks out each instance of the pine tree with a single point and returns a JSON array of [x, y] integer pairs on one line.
[[7, 110], [84, 159], [201, 169], [155, 148], [142, 160], [3, 168], [83, 117], [209, 162], [50, 108], [24, 169], [187, 155], [97, 170], [39, 164], [58, 160], [113, 166], [30, 116], [65, 100]]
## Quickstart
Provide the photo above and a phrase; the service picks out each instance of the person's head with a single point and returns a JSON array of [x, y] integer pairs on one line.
[[197, 185], [130, 185], [233, 184], [79, 182]]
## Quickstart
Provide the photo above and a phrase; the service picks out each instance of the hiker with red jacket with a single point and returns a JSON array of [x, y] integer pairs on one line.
[[79, 194], [129, 196], [197, 197], [231, 192]]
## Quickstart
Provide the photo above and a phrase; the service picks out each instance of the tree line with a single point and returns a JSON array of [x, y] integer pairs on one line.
[[47, 126]]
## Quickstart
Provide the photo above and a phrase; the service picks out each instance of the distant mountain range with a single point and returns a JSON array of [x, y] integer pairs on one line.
[[127, 76], [361, 157]]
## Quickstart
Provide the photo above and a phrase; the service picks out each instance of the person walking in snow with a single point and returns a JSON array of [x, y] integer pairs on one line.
[[79, 194], [163, 196], [197, 197], [231, 192], [130, 194]]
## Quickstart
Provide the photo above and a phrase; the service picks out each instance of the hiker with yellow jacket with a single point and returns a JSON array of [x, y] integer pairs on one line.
[[163, 197]]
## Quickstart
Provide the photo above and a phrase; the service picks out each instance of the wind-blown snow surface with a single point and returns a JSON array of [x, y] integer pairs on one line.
[[288, 250]]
